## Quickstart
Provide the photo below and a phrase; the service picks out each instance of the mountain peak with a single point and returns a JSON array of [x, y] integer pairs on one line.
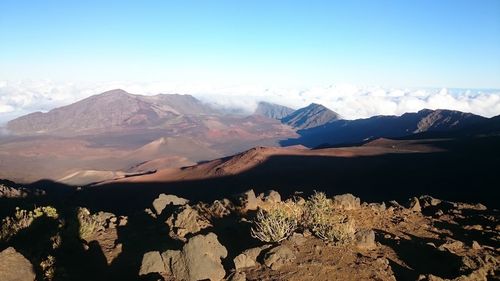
[[310, 116], [272, 110]]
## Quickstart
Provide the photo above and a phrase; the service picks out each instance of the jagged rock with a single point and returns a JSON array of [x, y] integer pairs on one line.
[[199, 259], [476, 245], [15, 267], [249, 257], [238, 276], [346, 201], [152, 262], [272, 197], [365, 239], [164, 200], [452, 246], [414, 205], [186, 221], [248, 201], [428, 201], [278, 257], [218, 209], [377, 207]]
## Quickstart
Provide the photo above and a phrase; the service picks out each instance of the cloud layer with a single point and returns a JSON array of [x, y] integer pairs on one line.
[[351, 102]]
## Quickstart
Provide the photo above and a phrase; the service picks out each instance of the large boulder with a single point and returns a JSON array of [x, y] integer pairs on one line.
[[164, 200], [248, 258], [152, 262], [186, 221], [278, 257], [248, 201], [346, 202], [199, 259], [15, 267]]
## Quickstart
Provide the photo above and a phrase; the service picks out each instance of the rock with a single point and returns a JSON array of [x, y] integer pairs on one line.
[[476, 245], [199, 259], [218, 209], [395, 205], [248, 201], [439, 213], [164, 200], [452, 246], [414, 205], [152, 262], [365, 239], [249, 257], [278, 257], [186, 221], [346, 202], [297, 239], [15, 267], [238, 276], [428, 201], [377, 207], [272, 197]]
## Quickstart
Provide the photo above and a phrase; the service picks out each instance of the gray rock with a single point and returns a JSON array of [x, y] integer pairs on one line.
[[186, 221], [278, 257], [297, 239], [152, 262], [365, 239], [249, 257], [346, 202], [15, 267], [164, 200], [199, 259]]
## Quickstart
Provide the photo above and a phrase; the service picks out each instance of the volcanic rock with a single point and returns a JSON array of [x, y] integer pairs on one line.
[[15, 267]]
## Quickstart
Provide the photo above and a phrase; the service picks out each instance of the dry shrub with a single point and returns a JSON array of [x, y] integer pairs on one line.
[[276, 223], [327, 223], [23, 219]]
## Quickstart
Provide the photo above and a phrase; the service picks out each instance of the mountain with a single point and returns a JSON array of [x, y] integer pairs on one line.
[[272, 110], [356, 131], [310, 116], [109, 111]]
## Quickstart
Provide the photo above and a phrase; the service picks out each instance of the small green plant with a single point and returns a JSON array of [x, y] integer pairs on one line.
[[23, 219], [274, 224], [89, 223]]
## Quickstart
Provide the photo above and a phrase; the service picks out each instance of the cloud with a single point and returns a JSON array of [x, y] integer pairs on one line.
[[350, 101]]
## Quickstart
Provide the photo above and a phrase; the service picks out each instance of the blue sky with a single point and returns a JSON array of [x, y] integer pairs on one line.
[[389, 43]]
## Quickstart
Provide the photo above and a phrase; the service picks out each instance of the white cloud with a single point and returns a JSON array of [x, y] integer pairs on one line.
[[350, 101]]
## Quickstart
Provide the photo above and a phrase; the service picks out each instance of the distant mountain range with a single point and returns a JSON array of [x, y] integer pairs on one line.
[[120, 111]]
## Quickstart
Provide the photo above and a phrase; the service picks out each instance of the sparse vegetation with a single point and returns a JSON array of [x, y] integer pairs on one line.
[[23, 219], [89, 223], [326, 222], [48, 267], [274, 224]]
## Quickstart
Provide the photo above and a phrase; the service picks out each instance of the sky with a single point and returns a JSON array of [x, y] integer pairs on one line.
[[74, 48]]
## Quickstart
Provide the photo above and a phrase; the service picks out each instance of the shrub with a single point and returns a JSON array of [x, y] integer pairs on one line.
[[275, 224], [339, 229], [23, 219], [89, 224], [325, 222]]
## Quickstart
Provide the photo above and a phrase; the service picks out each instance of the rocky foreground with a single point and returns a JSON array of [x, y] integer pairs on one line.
[[423, 239]]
